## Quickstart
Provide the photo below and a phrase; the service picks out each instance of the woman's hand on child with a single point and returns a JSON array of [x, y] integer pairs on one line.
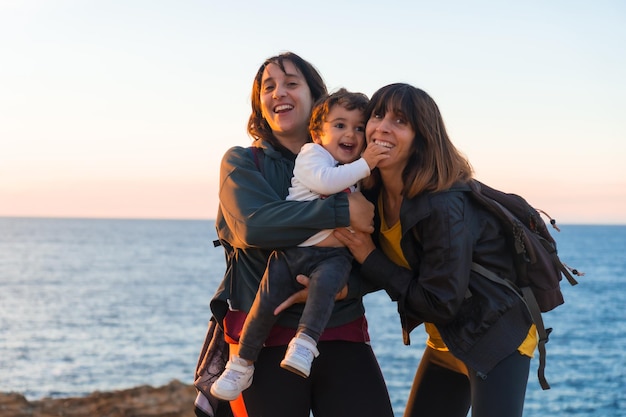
[[361, 213], [301, 296], [359, 243]]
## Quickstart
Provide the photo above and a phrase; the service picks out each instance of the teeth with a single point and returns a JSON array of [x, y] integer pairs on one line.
[[383, 144], [283, 107]]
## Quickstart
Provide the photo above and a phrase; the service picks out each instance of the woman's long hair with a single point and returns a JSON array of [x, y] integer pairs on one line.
[[434, 163], [258, 127]]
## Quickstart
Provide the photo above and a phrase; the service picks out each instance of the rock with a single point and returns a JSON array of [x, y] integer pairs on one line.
[[172, 400]]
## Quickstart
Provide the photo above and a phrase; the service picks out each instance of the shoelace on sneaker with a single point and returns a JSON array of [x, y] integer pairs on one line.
[[302, 352], [234, 372]]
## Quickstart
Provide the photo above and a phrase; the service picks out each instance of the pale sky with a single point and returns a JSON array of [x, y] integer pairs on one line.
[[123, 108]]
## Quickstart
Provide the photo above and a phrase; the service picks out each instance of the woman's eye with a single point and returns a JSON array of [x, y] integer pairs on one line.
[[377, 116]]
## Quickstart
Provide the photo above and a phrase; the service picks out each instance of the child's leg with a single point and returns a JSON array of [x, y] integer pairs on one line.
[[274, 288], [329, 276], [277, 284]]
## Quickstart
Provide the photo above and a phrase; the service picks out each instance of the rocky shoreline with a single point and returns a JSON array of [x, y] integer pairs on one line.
[[172, 400]]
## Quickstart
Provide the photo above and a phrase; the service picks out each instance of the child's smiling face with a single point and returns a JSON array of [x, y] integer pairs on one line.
[[343, 134]]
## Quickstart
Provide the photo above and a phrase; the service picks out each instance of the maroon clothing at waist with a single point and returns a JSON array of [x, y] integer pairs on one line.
[[354, 331]]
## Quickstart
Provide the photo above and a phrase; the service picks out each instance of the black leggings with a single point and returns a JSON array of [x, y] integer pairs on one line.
[[443, 387], [345, 380]]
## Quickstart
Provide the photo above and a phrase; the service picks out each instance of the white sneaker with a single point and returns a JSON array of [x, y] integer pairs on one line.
[[236, 377], [299, 356]]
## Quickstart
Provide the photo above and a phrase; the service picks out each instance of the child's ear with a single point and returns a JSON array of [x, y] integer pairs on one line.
[[316, 138]]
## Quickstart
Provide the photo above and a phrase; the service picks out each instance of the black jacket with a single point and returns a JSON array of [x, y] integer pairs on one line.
[[442, 234]]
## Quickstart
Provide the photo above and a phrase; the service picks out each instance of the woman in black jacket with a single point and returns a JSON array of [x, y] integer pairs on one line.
[[428, 232]]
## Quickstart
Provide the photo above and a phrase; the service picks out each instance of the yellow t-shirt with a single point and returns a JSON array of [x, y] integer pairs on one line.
[[390, 244]]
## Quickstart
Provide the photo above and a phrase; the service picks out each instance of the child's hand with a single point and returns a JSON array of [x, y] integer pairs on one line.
[[373, 154]]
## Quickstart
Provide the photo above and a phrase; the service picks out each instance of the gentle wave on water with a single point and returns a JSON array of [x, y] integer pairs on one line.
[[91, 305], [102, 304]]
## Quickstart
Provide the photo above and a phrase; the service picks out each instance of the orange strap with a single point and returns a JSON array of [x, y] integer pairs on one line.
[[239, 407]]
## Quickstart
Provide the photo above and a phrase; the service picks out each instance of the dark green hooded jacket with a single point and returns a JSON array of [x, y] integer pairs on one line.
[[254, 218]]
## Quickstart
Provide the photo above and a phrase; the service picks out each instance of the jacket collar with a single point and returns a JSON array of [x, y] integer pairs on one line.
[[419, 207], [413, 209]]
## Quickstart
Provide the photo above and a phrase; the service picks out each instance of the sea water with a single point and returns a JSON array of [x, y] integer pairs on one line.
[[89, 304]]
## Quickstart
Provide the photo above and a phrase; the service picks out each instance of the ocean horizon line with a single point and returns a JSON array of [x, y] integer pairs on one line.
[[182, 219]]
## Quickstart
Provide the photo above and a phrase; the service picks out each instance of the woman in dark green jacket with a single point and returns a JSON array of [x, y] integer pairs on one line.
[[253, 220]]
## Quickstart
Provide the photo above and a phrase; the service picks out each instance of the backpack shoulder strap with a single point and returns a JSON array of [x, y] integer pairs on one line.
[[529, 300], [257, 156]]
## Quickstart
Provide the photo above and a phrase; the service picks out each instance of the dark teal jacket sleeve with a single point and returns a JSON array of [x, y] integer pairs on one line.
[[256, 214]]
